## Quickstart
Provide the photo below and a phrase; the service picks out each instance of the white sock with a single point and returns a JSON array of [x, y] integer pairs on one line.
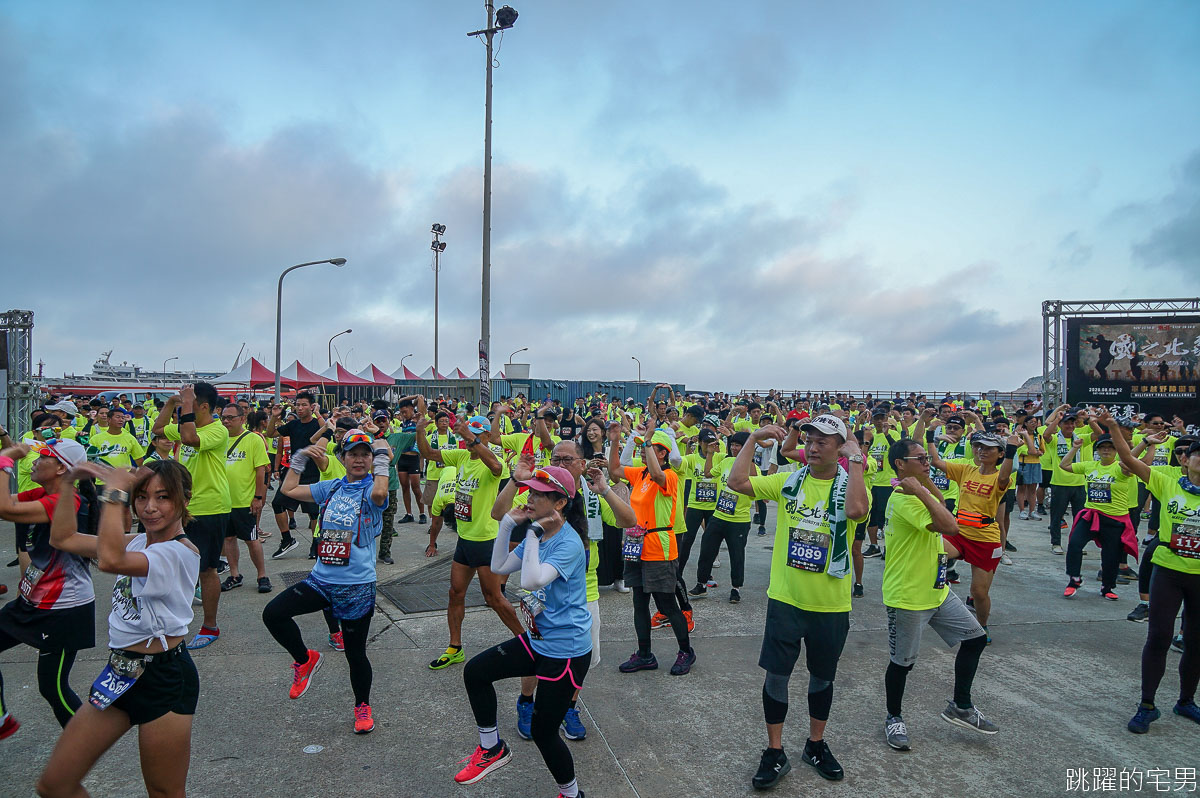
[[570, 789], [489, 737]]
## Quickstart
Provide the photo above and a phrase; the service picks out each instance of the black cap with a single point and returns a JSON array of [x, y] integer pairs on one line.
[[707, 436], [959, 420]]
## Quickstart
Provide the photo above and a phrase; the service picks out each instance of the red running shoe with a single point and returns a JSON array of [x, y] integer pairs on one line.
[[363, 722], [658, 621], [483, 762], [8, 726], [336, 642], [302, 674]]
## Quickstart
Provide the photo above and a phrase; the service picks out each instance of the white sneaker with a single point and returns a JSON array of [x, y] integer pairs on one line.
[[1033, 516], [1005, 559], [1056, 549], [716, 563], [1024, 515], [619, 586]]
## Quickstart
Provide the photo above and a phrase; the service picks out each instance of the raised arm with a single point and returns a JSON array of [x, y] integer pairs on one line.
[[622, 512], [478, 447], [164, 418], [64, 526], [739, 473], [1136, 467], [943, 521]]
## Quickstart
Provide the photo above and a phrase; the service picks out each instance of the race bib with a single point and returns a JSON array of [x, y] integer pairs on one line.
[[334, 547], [631, 548], [118, 676], [1185, 540], [706, 492], [531, 607], [29, 580], [462, 505], [727, 503], [939, 581], [1100, 492], [939, 480], [808, 550]]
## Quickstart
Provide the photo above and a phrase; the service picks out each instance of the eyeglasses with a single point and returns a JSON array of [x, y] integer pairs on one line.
[[546, 476], [562, 460], [920, 458]]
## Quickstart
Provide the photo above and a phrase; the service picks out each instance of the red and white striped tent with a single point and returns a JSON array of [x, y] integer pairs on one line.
[[457, 374], [377, 375], [405, 373], [300, 376], [430, 374], [249, 373], [338, 375]]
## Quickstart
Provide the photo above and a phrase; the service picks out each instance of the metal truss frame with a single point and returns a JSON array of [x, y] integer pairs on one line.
[[1054, 311]]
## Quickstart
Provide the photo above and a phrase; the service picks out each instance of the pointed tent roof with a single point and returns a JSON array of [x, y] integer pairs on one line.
[[457, 374], [300, 375], [251, 372], [499, 375], [377, 375], [430, 374], [338, 375], [405, 373]]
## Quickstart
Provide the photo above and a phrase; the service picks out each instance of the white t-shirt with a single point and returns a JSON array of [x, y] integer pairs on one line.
[[158, 604]]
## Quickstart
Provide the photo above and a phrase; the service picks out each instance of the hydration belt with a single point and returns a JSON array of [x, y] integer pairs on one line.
[[973, 520]]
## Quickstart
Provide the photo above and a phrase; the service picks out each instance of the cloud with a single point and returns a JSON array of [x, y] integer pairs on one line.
[[1175, 243]]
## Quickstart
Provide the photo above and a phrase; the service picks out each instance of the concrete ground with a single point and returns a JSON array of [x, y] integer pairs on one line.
[[1061, 679]]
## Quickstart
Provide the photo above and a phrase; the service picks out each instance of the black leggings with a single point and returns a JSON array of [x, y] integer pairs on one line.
[[557, 681], [734, 534], [1111, 548], [302, 599], [641, 620], [1060, 497], [1146, 569], [53, 674], [612, 563], [1168, 590]]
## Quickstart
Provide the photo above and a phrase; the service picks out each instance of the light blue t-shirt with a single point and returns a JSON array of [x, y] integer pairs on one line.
[[564, 623], [350, 508]]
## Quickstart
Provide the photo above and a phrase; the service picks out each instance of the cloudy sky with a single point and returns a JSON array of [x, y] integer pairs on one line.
[[762, 194]]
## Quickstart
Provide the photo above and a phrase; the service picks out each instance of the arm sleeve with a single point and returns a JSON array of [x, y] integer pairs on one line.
[[954, 470], [535, 573], [1079, 468], [627, 452], [503, 560], [213, 436], [258, 453], [171, 431]]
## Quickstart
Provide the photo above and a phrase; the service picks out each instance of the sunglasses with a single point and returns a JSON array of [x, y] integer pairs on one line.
[[354, 439], [546, 476], [920, 458]]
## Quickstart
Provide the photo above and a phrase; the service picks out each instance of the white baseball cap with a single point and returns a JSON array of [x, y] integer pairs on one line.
[[828, 424], [65, 406]]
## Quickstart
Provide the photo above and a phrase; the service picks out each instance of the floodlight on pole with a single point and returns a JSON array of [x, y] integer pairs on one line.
[[438, 246], [497, 21]]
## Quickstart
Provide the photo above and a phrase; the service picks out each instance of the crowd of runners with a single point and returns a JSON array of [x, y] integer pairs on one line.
[[603, 493]]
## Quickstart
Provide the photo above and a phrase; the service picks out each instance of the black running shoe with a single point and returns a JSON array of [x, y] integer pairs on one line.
[[1009, 547], [858, 589], [285, 545], [423, 520], [407, 519], [871, 551], [772, 767], [820, 757], [735, 596], [291, 523], [699, 591]]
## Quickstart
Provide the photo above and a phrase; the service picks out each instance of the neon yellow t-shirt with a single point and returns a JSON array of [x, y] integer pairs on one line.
[[807, 590], [119, 450], [241, 464], [210, 485], [914, 558], [1108, 489], [731, 505], [474, 496], [1179, 522]]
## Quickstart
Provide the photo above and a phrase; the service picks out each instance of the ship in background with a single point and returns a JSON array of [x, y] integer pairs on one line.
[[129, 378]]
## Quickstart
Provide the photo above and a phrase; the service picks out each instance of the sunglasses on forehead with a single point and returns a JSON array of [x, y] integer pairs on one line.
[[546, 476]]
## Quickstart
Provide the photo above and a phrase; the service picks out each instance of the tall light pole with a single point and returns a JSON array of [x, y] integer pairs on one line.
[[279, 310], [438, 246], [329, 346], [406, 357], [639, 369], [168, 360], [497, 21]]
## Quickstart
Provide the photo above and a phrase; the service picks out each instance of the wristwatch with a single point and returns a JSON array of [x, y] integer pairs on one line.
[[855, 458], [114, 496]]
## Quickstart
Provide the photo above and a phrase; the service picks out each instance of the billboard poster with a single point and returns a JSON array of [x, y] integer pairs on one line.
[[1149, 363]]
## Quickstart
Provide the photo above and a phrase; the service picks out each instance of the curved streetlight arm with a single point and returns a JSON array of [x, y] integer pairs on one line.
[[279, 310], [519, 351]]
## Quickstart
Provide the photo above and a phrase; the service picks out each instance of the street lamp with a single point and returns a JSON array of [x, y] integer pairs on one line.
[[438, 246], [329, 346], [279, 310], [168, 360], [639, 369], [519, 351], [406, 357], [500, 20]]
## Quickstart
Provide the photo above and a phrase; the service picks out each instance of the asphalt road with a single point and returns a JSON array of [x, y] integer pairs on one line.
[[1060, 679]]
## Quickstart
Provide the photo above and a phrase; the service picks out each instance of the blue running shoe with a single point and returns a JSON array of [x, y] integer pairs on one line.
[[525, 719], [1140, 724], [1187, 710], [575, 730]]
